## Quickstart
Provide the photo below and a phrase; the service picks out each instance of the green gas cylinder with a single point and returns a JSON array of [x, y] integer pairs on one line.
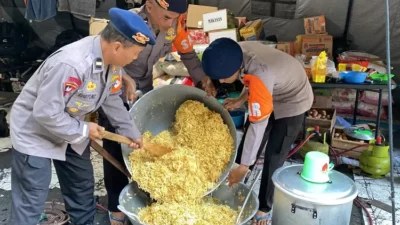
[[316, 143], [376, 162]]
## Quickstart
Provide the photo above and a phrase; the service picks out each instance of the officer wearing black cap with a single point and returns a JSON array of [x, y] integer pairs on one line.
[[47, 119]]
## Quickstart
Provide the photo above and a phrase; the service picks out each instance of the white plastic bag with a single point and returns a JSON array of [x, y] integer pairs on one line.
[[175, 68]]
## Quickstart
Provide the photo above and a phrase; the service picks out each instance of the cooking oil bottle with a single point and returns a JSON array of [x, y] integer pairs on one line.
[[319, 68]]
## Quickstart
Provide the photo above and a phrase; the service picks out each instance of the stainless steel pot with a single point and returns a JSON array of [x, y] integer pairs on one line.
[[132, 199], [297, 201], [155, 112]]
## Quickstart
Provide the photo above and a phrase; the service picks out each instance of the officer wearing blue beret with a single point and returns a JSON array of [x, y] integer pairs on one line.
[[278, 94], [47, 119]]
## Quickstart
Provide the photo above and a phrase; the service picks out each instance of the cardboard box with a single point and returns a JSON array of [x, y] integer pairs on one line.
[[315, 25], [230, 33], [312, 45], [322, 101], [215, 20], [195, 15], [287, 47], [342, 145], [240, 22], [253, 30], [97, 25], [198, 36], [324, 124]]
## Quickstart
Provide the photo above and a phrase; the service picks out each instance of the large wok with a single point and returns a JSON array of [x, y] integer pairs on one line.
[[132, 199], [155, 112]]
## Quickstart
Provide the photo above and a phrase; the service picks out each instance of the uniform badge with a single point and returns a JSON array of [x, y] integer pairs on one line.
[[170, 34], [73, 110], [81, 104], [116, 83], [91, 86], [140, 38], [163, 4], [71, 84]]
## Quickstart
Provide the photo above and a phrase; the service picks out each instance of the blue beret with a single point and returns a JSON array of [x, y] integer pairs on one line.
[[222, 58], [178, 6], [131, 26]]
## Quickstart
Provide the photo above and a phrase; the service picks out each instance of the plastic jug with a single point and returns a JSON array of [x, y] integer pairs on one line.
[[319, 69]]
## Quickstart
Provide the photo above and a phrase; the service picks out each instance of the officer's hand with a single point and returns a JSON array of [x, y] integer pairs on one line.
[[130, 88], [237, 175], [208, 86], [137, 143], [233, 103], [95, 131]]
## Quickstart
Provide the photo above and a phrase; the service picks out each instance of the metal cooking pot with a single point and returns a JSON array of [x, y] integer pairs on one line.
[[155, 112], [297, 201], [132, 199]]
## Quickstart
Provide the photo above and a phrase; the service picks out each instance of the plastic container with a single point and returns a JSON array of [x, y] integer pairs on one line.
[[353, 77], [316, 167], [319, 70], [380, 76], [238, 118]]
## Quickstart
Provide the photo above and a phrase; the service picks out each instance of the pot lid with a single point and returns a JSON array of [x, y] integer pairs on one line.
[[339, 190], [360, 133]]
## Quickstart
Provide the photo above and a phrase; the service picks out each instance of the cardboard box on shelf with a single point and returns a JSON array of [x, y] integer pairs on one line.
[[287, 47], [240, 22], [195, 15], [312, 45], [341, 144], [315, 25], [298, 44], [324, 124], [229, 33], [253, 30], [322, 101], [96, 25], [198, 36], [219, 20]]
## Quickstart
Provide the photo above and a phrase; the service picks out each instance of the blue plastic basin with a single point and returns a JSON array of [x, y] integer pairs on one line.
[[238, 118], [353, 77]]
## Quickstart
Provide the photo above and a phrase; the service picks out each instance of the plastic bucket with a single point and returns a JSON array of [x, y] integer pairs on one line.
[[237, 117], [316, 167]]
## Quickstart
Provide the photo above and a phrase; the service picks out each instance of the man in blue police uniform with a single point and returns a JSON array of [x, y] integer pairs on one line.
[[47, 119]]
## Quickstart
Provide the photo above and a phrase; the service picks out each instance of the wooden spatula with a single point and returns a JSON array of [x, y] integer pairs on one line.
[[109, 158], [154, 149]]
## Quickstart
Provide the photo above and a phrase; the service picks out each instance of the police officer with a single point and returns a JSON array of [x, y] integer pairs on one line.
[[278, 92], [166, 21], [47, 118]]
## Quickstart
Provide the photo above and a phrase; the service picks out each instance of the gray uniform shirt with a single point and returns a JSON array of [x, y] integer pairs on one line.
[[286, 81], [73, 82], [141, 69]]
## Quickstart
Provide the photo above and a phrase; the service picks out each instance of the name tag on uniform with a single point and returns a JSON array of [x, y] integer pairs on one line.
[[87, 96]]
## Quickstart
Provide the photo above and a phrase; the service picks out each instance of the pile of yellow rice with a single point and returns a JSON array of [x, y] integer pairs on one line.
[[202, 146]]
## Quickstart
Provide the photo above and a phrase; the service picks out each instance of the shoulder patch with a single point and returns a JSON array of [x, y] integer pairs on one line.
[[71, 84]]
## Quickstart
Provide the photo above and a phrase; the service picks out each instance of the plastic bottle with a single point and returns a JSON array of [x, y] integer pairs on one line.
[[319, 68]]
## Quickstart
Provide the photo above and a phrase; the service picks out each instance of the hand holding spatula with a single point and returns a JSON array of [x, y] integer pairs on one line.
[[154, 149]]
